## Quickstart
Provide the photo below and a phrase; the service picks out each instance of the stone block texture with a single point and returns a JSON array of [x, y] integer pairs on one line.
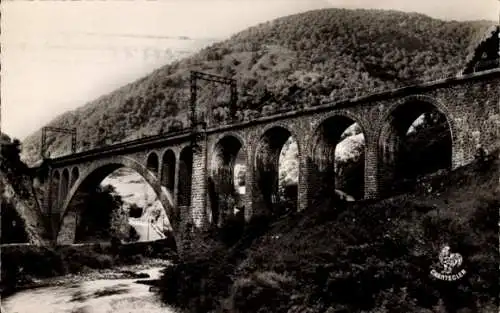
[[199, 179]]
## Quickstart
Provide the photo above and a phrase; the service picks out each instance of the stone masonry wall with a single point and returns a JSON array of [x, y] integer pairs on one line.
[[199, 185], [471, 107]]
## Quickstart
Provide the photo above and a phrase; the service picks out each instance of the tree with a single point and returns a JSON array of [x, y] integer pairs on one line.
[[4, 138], [119, 226], [133, 235], [11, 150], [241, 178], [99, 206], [13, 227], [135, 211]]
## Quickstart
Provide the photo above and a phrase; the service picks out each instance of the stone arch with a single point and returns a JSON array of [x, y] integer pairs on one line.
[[185, 177], [221, 185], [153, 163], [265, 166], [54, 191], [345, 114], [169, 161], [234, 134], [392, 130], [280, 124], [322, 152], [75, 173], [92, 176]]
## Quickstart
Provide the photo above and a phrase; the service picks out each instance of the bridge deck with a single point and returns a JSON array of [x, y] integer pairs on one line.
[[183, 135]]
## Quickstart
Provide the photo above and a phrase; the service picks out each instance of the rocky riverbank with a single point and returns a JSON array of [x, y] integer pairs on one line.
[[118, 290]]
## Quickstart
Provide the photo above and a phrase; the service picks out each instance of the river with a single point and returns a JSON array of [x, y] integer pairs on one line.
[[96, 296]]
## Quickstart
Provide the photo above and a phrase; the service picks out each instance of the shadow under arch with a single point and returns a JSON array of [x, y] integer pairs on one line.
[[322, 148], [222, 194], [393, 130], [153, 162], [93, 176], [265, 167], [54, 192], [342, 115], [427, 102], [64, 184]]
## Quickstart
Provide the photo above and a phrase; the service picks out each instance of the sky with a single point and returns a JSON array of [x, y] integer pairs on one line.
[[58, 55]]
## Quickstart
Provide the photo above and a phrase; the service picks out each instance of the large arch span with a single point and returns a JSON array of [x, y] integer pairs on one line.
[[93, 175]]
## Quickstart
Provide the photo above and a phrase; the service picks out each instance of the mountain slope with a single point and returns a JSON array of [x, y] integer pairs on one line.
[[335, 53], [19, 200], [368, 257]]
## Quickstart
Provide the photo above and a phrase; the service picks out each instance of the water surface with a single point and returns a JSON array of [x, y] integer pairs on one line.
[[97, 296]]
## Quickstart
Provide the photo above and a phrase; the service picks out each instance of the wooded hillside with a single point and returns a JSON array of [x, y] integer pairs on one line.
[[333, 53]]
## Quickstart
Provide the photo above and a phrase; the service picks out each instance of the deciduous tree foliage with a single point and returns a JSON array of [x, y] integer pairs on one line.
[[310, 57], [135, 210], [102, 216], [12, 225]]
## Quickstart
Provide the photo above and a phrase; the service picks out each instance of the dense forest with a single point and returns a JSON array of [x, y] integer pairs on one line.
[[303, 59]]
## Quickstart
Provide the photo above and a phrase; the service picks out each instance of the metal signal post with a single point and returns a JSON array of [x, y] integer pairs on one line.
[[195, 123], [70, 131], [212, 78]]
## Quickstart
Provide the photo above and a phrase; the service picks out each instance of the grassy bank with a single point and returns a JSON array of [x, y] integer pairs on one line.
[[23, 264], [365, 257]]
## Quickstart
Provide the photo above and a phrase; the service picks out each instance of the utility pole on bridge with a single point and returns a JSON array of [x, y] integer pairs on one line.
[[70, 131], [212, 78], [195, 122]]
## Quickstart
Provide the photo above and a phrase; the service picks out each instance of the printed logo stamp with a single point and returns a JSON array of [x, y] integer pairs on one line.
[[450, 263]]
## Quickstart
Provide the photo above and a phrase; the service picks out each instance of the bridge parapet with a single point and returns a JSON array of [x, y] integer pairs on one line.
[[470, 104]]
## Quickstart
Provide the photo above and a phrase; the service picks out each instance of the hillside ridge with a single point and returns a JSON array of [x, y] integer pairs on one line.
[[370, 257], [332, 52]]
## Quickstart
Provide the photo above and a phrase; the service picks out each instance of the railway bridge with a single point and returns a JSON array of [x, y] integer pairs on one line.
[[190, 170]]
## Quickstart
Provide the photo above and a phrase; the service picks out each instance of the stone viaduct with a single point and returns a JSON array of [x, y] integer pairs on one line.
[[186, 177]]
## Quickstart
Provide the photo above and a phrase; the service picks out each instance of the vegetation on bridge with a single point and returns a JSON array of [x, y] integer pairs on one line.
[[333, 53]]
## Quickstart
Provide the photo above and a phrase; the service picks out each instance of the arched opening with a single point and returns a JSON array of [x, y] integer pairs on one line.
[[288, 172], [117, 200], [227, 180], [338, 159], [152, 163], [415, 140], [54, 192], [168, 170], [75, 174], [64, 184], [185, 172], [276, 157]]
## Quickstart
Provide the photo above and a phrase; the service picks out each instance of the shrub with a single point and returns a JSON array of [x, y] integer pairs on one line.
[[262, 290], [135, 210], [80, 258], [13, 226], [232, 230], [132, 235], [21, 262]]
